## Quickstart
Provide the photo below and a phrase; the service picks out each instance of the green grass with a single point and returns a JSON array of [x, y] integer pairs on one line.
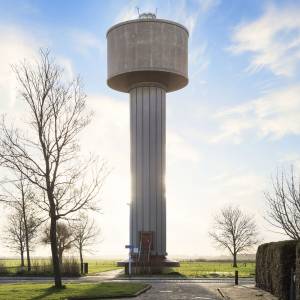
[[44, 291], [214, 269], [187, 268], [95, 265]]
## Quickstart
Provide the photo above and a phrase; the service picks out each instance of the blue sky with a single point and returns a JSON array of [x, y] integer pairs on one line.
[[227, 132]]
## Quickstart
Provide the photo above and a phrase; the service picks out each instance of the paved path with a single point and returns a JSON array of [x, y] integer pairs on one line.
[[246, 292], [113, 276], [180, 291]]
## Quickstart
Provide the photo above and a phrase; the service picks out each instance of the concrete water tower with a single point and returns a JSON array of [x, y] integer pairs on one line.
[[147, 58]]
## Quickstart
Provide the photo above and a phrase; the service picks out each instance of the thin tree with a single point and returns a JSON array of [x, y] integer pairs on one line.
[[85, 233], [21, 198], [234, 231], [284, 204], [64, 238], [14, 237], [48, 156]]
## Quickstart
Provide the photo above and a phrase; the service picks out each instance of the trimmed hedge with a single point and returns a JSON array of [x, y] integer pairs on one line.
[[274, 263]]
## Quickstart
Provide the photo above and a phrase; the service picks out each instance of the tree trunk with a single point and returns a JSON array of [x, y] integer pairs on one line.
[[26, 231], [60, 255], [234, 260], [22, 258], [54, 250], [81, 260], [28, 254]]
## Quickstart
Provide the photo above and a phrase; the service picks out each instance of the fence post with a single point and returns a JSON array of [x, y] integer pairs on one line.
[[236, 278]]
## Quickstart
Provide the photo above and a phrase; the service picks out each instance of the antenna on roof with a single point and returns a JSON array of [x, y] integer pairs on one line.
[[138, 10], [156, 11]]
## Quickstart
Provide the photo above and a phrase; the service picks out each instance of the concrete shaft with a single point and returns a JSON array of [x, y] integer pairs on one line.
[[148, 163]]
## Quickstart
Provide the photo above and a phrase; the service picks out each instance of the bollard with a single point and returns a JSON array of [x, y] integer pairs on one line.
[[236, 278], [86, 268]]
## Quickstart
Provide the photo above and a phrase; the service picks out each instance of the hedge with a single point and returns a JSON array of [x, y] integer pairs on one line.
[[274, 265]]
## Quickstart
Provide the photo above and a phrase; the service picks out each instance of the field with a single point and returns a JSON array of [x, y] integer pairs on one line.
[[188, 268], [12, 266], [214, 269], [26, 291]]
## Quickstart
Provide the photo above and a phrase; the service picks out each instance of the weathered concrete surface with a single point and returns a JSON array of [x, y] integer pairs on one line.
[[245, 292], [147, 50]]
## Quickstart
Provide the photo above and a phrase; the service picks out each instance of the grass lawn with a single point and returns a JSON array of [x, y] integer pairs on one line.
[[32, 291], [214, 269], [97, 266], [187, 268]]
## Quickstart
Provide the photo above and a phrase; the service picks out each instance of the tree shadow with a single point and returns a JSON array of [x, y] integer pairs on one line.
[[48, 291]]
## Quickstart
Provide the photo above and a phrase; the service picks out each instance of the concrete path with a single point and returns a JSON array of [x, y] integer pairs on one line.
[[180, 291], [245, 292]]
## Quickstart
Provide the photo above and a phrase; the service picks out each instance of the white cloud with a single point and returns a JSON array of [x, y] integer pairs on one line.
[[273, 40], [15, 46], [291, 159], [179, 150], [198, 60], [274, 115], [207, 5], [85, 41], [178, 11]]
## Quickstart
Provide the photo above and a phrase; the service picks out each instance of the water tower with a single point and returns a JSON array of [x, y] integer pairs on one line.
[[147, 58]]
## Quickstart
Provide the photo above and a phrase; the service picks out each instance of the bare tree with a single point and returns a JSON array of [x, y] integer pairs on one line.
[[284, 204], [14, 238], [48, 155], [234, 231], [85, 233], [64, 238], [21, 198]]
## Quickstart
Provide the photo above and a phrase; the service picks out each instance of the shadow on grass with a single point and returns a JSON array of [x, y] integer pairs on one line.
[[48, 291]]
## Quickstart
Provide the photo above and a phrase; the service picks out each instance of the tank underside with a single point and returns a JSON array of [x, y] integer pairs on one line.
[[170, 81]]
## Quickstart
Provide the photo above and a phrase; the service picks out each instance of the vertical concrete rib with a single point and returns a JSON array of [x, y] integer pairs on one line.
[[159, 175], [163, 142], [139, 160], [153, 172], [146, 150], [148, 169], [132, 164]]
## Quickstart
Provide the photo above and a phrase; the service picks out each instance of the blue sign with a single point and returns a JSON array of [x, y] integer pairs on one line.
[[129, 246]]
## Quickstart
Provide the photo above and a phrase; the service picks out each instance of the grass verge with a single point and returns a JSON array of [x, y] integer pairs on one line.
[[214, 269], [44, 291]]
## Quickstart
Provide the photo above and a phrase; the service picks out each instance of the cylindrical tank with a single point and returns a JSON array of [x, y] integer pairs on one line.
[[147, 50], [147, 58]]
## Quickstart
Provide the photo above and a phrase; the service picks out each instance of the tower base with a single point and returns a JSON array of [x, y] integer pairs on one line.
[[156, 265]]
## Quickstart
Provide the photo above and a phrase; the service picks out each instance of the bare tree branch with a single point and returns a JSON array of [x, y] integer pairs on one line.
[[284, 204], [234, 231], [48, 155]]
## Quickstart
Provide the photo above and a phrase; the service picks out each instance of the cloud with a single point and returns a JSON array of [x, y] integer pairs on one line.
[[291, 159], [15, 46], [207, 5], [85, 41], [273, 40], [180, 11], [273, 116], [179, 150]]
